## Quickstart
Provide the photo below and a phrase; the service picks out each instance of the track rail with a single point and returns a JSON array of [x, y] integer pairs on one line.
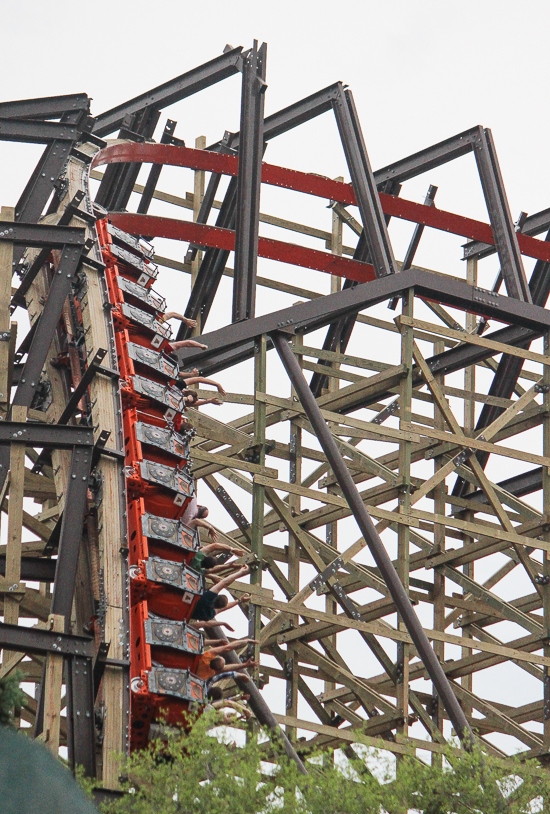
[[164, 651]]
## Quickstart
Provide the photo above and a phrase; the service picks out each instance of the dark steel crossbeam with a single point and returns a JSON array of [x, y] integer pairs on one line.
[[41, 184], [48, 320], [532, 225], [228, 342], [173, 91], [292, 116], [81, 738], [386, 567], [46, 107], [37, 235], [40, 642], [29, 276], [34, 569], [33, 132], [118, 181], [82, 386], [518, 486], [249, 182], [215, 259], [429, 158], [415, 241], [509, 367], [71, 534], [45, 435]]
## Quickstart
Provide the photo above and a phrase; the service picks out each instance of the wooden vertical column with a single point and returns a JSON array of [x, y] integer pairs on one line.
[[258, 491], [439, 547], [14, 590], [545, 554], [403, 534], [331, 534], [198, 195], [469, 426], [6, 273], [52, 691], [294, 505]]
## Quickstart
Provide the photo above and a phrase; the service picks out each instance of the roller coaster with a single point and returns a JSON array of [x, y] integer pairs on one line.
[[99, 428]]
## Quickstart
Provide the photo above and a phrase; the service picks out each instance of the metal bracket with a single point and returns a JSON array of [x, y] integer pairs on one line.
[[233, 509], [463, 456], [321, 578]]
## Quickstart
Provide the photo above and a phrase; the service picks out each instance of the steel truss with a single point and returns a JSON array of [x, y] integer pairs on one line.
[[84, 390]]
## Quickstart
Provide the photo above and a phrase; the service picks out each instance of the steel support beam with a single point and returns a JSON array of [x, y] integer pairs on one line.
[[30, 274], [82, 386], [506, 241], [118, 182], [209, 197], [173, 91], [71, 534], [212, 267], [251, 149], [48, 320], [235, 341], [45, 435], [429, 158], [292, 116], [35, 569], [80, 715], [509, 367], [155, 171], [33, 132], [350, 492], [41, 184], [363, 183], [275, 125], [39, 235], [41, 642], [532, 225], [46, 107]]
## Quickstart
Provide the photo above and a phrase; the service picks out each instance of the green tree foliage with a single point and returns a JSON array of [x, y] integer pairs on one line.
[[206, 772], [11, 697]]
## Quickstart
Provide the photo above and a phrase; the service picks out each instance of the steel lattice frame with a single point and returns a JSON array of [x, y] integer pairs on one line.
[[366, 439]]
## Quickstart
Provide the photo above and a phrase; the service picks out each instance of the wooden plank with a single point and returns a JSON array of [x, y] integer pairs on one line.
[[385, 631], [15, 520], [7, 213], [484, 446], [52, 692], [232, 463], [296, 489], [31, 523], [474, 339], [373, 430], [15, 525]]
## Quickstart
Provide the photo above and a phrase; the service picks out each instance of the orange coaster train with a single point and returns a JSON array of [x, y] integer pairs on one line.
[[164, 650]]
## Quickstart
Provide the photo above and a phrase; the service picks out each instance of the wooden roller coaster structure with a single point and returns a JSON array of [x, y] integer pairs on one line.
[[98, 591]]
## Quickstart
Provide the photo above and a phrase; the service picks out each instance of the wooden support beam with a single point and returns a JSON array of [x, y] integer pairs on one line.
[[15, 525], [52, 692]]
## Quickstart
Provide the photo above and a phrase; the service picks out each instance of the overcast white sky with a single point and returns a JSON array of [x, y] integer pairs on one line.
[[420, 72]]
